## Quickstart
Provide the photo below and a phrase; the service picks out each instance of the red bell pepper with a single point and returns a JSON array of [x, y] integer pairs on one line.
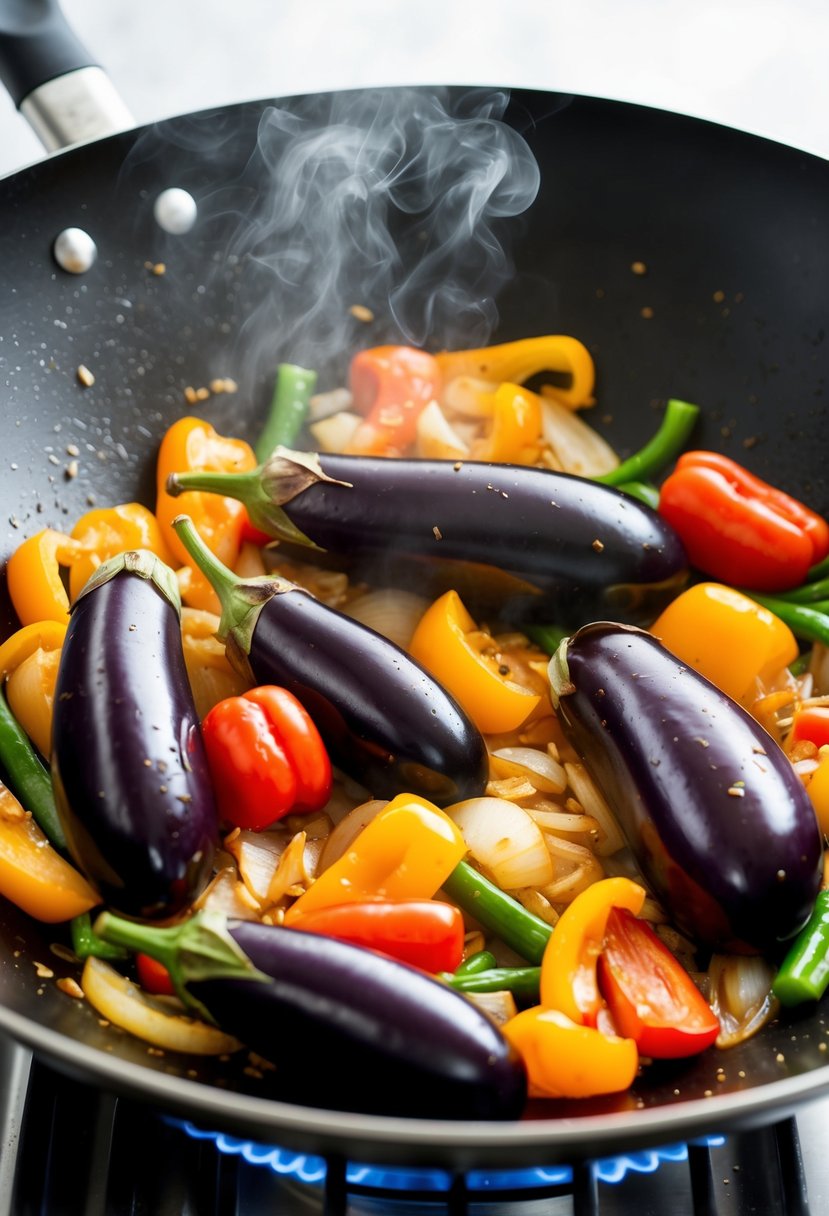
[[266, 758], [811, 724], [739, 529], [153, 976], [651, 997], [422, 932], [391, 386]]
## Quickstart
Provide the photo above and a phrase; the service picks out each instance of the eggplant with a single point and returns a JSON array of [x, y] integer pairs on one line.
[[537, 545], [384, 720], [346, 1028], [718, 820], [130, 774]]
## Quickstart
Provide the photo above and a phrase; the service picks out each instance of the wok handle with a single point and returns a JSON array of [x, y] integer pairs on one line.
[[52, 78]]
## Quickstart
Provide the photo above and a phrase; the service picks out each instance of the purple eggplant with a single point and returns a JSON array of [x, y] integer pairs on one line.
[[383, 719], [346, 1028], [538, 545], [129, 769], [719, 822]]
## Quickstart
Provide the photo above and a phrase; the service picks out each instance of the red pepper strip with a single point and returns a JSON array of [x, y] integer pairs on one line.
[[253, 535], [266, 758], [738, 528], [153, 976], [391, 385], [422, 932], [652, 998], [811, 724]]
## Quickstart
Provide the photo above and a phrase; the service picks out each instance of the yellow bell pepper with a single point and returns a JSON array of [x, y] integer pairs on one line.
[[33, 573], [33, 875], [516, 427], [726, 637], [818, 790], [568, 968], [107, 531], [193, 445], [566, 1060], [41, 635], [464, 660], [518, 361], [405, 852], [29, 661]]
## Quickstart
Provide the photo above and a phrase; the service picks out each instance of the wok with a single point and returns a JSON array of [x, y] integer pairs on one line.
[[734, 232]]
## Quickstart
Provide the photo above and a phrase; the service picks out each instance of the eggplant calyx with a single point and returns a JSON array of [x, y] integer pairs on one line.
[[200, 948], [145, 565], [558, 673]]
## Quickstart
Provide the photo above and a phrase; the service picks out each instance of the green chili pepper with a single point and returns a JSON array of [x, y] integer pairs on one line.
[[86, 942], [819, 571], [482, 961], [645, 491], [809, 622], [289, 408], [664, 447], [519, 929], [804, 972], [808, 593], [522, 982], [28, 778], [548, 637]]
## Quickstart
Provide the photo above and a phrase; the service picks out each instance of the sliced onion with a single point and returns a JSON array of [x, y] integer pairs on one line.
[[390, 611], [819, 667], [536, 903], [333, 434], [500, 1006], [437, 439], [226, 893], [258, 855], [505, 841], [593, 803], [323, 405], [467, 395], [347, 830], [291, 876], [148, 1017], [576, 868], [578, 448], [740, 995], [545, 773]]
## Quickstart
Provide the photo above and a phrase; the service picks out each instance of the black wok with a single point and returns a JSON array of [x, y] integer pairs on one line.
[[734, 232]]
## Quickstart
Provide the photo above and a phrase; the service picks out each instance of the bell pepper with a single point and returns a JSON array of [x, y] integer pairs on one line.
[[23, 643], [516, 427], [652, 998], [391, 385], [738, 528], [569, 981], [424, 933], [811, 724], [191, 445], [266, 758], [153, 976], [33, 875], [818, 791], [29, 662], [107, 531], [566, 1060], [727, 637], [464, 660], [406, 852], [34, 578], [517, 361]]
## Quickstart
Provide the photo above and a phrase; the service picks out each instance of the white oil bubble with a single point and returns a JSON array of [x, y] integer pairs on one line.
[[175, 211], [75, 250]]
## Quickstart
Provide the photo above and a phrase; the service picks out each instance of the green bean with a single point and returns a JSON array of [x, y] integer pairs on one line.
[[548, 637], [645, 491], [522, 982], [289, 409], [809, 622], [808, 593], [664, 447], [28, 777], [519, 929], [484, 960], [804, 972]]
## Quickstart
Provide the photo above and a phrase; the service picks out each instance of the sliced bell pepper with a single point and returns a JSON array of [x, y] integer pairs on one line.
[[517, 361], [192, 445], [738, 528], [566, 1060], [153, 976], [464, 660], [406, 852], [29, 661], [516, 427], [652, 998], [391, 385], [569, 981], [107, 531], [811, 723], [40, 635], [727, 637], [422, 932], [818, 791], [34, 578], [266, 758]]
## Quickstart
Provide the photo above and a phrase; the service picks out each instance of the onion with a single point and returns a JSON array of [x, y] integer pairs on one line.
[[577, 447], [545, 773], [740, 995], [500, 1006], [505, 841], [466, 395], [151, 1018], [436, 437], [333, 434], [291, 876], [226, 893], [323, 405], [593, 803], [211, 676], [536, 903], [390, 611], [258, 855], [347, 830], [576, 868]]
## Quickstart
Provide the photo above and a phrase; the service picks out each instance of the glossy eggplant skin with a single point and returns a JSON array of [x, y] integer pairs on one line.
[[541, 546], [384, 720], [349, 1029], [131, 780], [720, 824]]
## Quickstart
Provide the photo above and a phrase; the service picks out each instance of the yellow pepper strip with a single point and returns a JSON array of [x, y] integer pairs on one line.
[[107, 531], [192, 445], [465, 661], [33, 572], [818, 790], [40, 635], [568, 968], [565, 1060], [31, 695], [33, 875], [726, 637], [405, 852], [516, 427], [517, 361]]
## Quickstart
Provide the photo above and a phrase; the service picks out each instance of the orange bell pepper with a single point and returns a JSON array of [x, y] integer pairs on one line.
[[33, 875], [391, 386], [107, 531], [33, 573], [191, 445], [517, 361], [516, 427], [447, 643], [40, 635], [818, 790], [566, 1060], [405, 852], [727, 637]]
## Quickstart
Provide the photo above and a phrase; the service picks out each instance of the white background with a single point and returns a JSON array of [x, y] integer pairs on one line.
[[761, 65]]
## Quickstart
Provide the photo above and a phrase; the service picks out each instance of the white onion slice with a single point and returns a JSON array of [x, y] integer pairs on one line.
[[391, 611], [577, 447], [500, 1006], [437, 439], [226, 893], [347, 830], [258, 855], [505, 841], [593, 803], [334, 433], [740, 995], [545, 773], [469, 396]]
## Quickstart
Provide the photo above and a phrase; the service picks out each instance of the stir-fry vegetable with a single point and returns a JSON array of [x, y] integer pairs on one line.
[[289, 408], [391, 385], [422, 932], [804, 972]]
